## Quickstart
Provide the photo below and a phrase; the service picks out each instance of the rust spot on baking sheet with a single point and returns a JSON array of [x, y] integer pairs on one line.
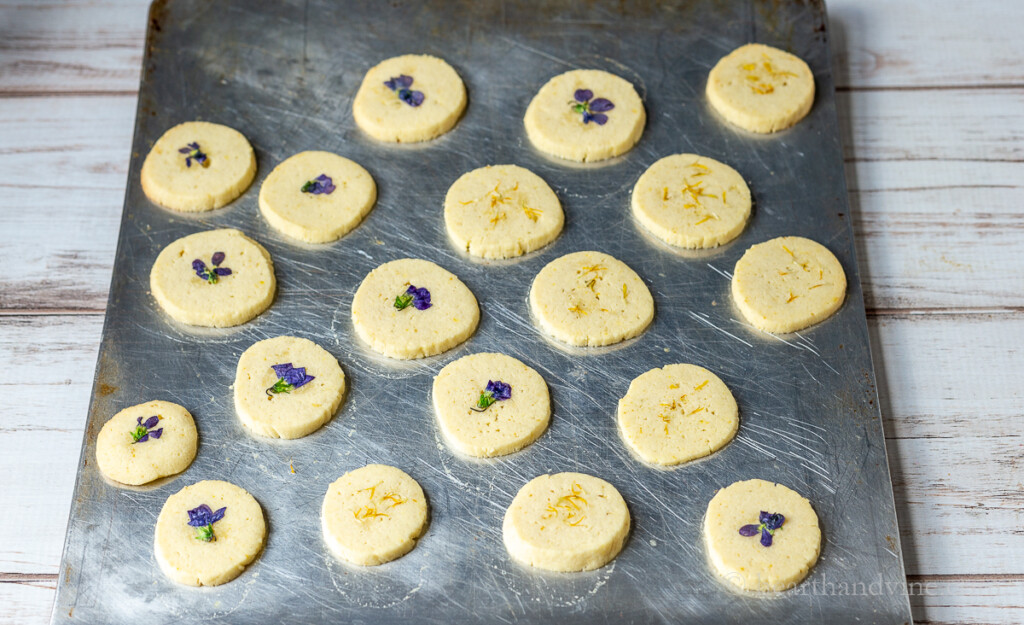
[[106, 389]]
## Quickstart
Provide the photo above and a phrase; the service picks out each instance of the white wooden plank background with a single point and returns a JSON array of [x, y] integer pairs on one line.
[[931, 98]]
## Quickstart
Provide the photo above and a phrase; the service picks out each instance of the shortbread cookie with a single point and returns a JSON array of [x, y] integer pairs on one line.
[[566, 522], [146, 442], [287, 387], [198, 166], [208, 532], [590, 299], [787, 284], [409, 98], [761, 536], [585, 115], [412, 308], [502, 211], [692, 201], [317, 197], [760, 88], [217, 278], [490, 404], [373, 515], [677, 413]]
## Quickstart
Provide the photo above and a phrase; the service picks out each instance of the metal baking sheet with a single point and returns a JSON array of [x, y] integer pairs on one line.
[[284, 74]]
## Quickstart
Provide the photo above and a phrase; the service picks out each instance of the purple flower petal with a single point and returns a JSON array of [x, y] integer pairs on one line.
[[199, 266], [294, 376], [766, 538], [416, 98], [282, 370], [601, 105], [328, 188], [218, 258], [763, 517], [583, 95], [411, 290], [218, 515], [304, 381], [499, 390], [200, 515], [599, 118], [185, 150], [155, 433], [774, 521], [143, 438], [222, 271], [749, 530], [151, 422]]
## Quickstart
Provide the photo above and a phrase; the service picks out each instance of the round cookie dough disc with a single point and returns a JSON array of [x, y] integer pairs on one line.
[[760, 88], [383, 115], [677, 413], [238, 536], [502, 211], [787, 284], [295, 413], [233, 299], [317, 217], [504, 426], [373, 515], [590, 299], [743, 560], [412, 333], [692, 201], [169, 446], [190, 186], [566, 522], [555, 127]]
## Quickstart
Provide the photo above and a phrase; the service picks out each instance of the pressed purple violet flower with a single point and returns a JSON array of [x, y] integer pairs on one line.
[[194, 154], [400, 85], [593, 110], [766, 525], [144, 430], [203, 518], [211, 275], [418, 298], [496, 391], [289, 378], [322, 184]]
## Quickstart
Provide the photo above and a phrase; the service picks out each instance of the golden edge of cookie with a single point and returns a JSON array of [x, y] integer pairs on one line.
[[574, 153], [169, 200], [196, 318], [749, 122]]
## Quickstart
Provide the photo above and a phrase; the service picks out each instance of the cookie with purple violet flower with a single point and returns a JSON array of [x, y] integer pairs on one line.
[[145, 442], [208, 532], [585, 115], [760, 88], [317, 197], [502, 211], [409, 98], [490, 404], [412, 308], [677, 413], [566, 522], [761, 536], [590, 299], [373, 515], [287, 387], [217, 278], [692, 201], [198, 166]]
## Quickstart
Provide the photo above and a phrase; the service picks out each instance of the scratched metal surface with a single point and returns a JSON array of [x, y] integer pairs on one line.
[[285, 73]]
